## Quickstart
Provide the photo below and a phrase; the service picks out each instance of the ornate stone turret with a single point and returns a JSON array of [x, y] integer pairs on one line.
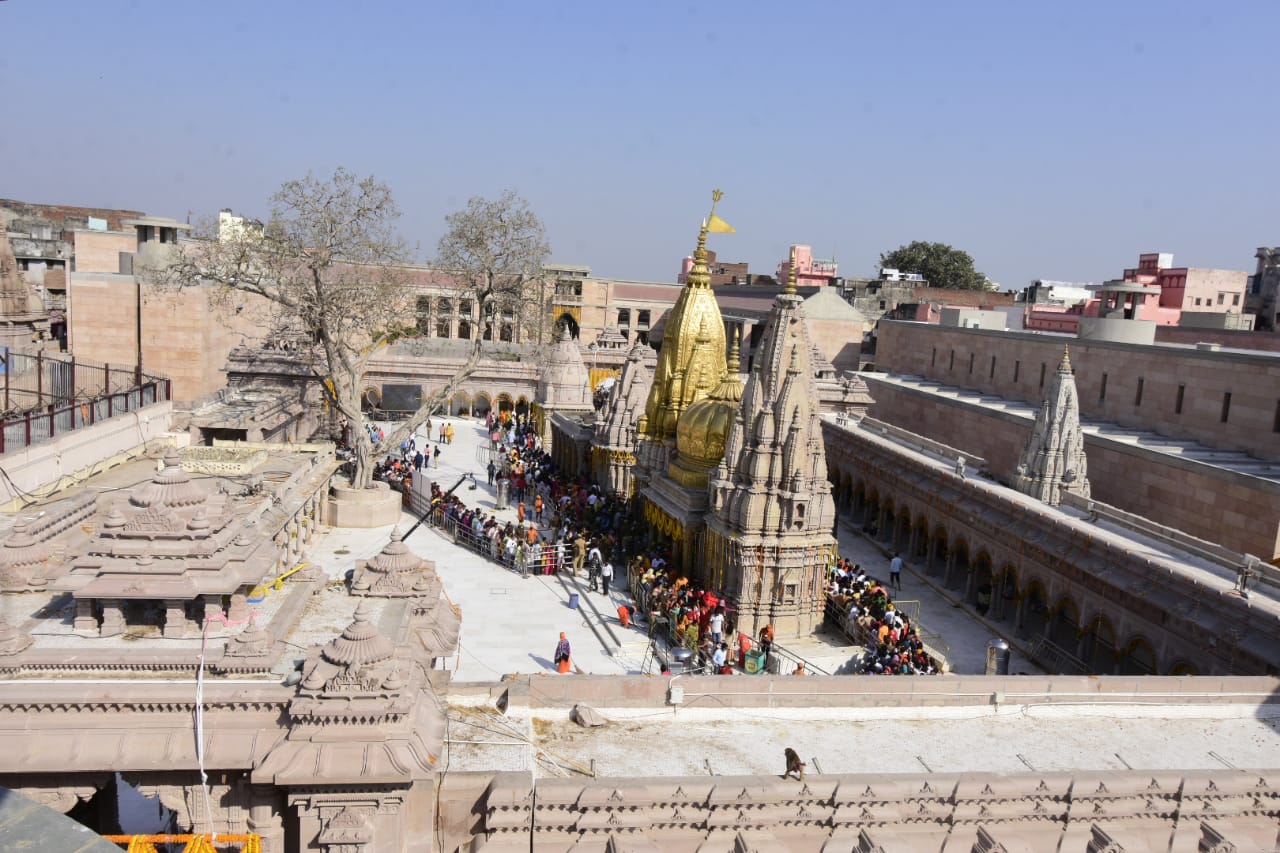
[[690, 363], [769, 526], [564, 386], [396, 572], [704, 429], [613, 445], [23, 319], [1053, 461]]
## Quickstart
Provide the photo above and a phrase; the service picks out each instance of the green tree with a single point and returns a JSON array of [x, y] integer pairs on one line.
[[940, 264]]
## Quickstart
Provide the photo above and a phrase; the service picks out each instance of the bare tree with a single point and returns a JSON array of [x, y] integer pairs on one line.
[[495, 251], [328, 265]]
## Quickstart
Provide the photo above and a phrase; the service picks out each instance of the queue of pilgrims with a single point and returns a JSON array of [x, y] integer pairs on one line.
[[569, 524]]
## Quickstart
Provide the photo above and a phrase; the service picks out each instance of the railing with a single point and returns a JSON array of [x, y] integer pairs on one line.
[[244, 843], [554, 557], [1055, 659], [35, 427]]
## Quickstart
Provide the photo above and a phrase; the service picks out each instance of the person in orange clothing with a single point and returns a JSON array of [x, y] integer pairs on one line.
[[766, 641], [531, 534], [520, 512], [537, 508], [563, 654]]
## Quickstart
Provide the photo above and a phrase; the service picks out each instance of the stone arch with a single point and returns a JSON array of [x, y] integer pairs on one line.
[[460, 403], [570, 322], [957, 574], [522, 405], [1183, 667], [901, 533], [505, 403], [1064, 624], [1034, 611], [920, 540], [1138, 657], [888, 521], [858, 502], [871, 517], [939, 552], [1004, 594], [482, 403], [980, 582], [1097, 646]]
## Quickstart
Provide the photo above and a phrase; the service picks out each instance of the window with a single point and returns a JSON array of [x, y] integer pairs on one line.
[[444, 305], [464, 308], [1222, 297], [933, 362], [952, 365], [1197, 300], [464, 329], [1017, 368], [1235, 299], [1102, 389], [1226, 406], [624, 316], [424, 315], [992, 374], [506, 333], [882, 304], [1042, 374], [442, 328], [642, 320], [1137, 395], [1177, 403], [789, 592], [971, 364]]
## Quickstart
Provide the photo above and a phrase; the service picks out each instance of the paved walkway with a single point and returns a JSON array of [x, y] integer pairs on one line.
[[511, 624]]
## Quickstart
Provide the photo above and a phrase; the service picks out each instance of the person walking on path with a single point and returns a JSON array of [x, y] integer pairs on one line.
[[563, 654], [520, 513], [606, 575], [437, 455], [418, 459], [579, 554], [594, 559], [895, 572], [537, 509], [492, 470]]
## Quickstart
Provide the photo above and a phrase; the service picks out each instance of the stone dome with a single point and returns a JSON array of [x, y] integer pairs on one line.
[[565, 382], [361, 643], [172, 487]]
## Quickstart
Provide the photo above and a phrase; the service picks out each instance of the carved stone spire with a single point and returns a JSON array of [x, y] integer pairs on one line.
[[1053, 460], [771, 506]]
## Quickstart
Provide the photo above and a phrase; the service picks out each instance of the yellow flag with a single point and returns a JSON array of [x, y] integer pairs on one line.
[[716, 225]]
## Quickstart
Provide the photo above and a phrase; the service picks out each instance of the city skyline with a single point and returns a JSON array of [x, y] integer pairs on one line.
[[1047, 143]]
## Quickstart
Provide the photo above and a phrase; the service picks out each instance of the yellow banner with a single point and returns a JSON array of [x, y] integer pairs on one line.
[[716, 225]]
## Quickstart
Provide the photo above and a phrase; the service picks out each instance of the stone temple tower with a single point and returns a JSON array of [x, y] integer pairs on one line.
[[613, 440], [1053, 461], [769, 527]]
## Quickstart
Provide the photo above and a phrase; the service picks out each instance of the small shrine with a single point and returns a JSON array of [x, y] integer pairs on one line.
[[171, 544], [396, 572]]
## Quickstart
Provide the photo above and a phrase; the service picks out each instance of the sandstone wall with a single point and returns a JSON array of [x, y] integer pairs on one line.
[[1245, 387]]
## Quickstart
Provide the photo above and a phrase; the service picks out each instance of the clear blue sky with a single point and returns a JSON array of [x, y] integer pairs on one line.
[[1049, 140]]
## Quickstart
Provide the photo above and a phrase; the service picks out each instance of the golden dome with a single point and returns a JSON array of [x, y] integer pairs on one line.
[[703, 429]]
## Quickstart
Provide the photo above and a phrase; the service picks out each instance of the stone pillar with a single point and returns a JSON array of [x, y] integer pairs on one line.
[[175, 619], [212, 607], [86, 623], [913, 543], [265, 820], [238, 611], [971, 585], [1020, 615], [112, 618]]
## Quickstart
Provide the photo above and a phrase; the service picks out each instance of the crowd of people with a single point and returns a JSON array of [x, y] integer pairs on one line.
[[569, 524], [893, 645]]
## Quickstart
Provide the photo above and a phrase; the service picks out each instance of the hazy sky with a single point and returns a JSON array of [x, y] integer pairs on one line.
[[1050, 140]]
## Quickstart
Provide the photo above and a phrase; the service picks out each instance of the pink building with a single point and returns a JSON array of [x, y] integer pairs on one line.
[[809, 270], [1155, 291]]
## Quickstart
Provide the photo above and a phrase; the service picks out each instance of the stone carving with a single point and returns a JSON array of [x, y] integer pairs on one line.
[[12, 640], [348, 831], [613, 444], [396, 572], [1053, 460], [252, 642], [770, 501]]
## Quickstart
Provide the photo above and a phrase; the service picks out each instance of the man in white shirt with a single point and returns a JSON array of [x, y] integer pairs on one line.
[[716, 627], [720, 657], [606, 575]]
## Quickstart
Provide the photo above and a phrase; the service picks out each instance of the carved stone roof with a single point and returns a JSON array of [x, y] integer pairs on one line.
[[359, 644], [394, 572], [565, 382], [172, 487], [1053, 460]]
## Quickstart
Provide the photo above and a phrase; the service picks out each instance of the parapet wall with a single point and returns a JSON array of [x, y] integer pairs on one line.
[[45, 468]]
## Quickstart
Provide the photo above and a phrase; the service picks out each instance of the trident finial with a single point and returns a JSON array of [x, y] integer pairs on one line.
[[790, 289], [1065, 366]]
